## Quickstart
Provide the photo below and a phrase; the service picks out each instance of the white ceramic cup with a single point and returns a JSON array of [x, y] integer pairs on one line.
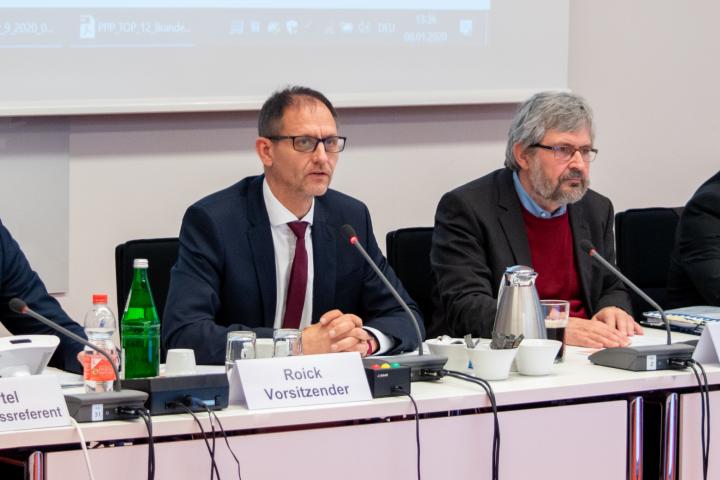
[[455, 353], [264, 348], [490, 364], [536, 356], [180, 361]]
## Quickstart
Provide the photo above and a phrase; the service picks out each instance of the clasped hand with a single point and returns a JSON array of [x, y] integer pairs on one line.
[[337, 332]]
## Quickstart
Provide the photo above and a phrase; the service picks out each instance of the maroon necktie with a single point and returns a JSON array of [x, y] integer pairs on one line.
[[298, 278]]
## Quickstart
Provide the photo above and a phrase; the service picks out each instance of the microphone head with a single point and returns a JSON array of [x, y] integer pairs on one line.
[[349, 233], [587, 246], [17, 305]]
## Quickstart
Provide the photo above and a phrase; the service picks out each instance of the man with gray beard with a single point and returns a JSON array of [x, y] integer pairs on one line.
[[534, 212]]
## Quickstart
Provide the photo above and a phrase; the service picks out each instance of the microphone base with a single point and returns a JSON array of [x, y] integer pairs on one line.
[[423, 368], [99, 407], [388, 382], [165, 393], [644, 358]]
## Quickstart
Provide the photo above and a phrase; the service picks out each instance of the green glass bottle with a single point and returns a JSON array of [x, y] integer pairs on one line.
[[140, 327]]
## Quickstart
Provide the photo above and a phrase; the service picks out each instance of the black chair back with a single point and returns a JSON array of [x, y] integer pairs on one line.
[[161, 254], [408, 252], [644, 242]]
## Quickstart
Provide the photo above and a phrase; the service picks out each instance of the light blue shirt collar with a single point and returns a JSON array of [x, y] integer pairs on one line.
[[530, 204]]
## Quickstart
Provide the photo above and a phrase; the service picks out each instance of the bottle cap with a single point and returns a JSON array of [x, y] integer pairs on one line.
[[140, 263], [99, 298]]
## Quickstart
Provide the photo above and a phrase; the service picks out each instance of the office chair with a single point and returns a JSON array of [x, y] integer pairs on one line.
[[161, 254], [644, 242], [408, 252]]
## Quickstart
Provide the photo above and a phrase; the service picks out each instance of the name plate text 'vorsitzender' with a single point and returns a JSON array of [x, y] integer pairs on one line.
[[297, 381]]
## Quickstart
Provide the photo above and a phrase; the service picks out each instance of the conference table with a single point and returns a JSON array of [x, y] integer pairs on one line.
[[582, 421]]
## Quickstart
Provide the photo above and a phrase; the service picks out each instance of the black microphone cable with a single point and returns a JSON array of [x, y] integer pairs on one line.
[[702, 418], [212, 446], [707, 403], [202, 404], [213, 465], [704, 412], [401, 391], [493, 404], [144, 414]]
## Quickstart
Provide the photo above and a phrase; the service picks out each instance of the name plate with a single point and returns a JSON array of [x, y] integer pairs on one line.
[[298, 381], [32, 402], [708, 347]]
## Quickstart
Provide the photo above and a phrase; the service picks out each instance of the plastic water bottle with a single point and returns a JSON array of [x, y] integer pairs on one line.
[[140, 327], [99, 324]]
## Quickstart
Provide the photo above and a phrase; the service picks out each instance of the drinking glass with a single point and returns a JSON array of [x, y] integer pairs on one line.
[[287, 342], [556, 314], [240, 346]]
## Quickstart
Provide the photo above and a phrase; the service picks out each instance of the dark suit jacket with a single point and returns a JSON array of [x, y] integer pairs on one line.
[[17, 279], [224, 278], [479, 232], [694, 275]]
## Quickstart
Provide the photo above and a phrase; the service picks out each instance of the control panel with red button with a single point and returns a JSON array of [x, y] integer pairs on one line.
[[387, 379]]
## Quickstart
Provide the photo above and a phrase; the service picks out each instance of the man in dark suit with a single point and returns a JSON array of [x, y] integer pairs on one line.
[[268, 253], [694, 276], [17, 279], [534, 212]]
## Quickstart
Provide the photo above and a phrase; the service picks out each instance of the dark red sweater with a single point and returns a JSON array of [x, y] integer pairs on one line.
[[553, 258]]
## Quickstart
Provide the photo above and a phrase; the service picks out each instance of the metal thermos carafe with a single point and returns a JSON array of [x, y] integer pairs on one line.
[[518, 309]]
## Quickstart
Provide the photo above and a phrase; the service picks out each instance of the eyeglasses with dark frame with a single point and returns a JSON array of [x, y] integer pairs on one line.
[[564, 153], [306, 143]]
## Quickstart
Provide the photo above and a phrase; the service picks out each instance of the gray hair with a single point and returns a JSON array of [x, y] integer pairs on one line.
[[565, 112]]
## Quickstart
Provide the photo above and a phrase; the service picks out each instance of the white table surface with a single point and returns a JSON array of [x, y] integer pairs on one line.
[[575, 378]]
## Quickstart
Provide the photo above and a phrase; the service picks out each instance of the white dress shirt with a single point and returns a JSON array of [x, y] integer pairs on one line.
[[284, 245]]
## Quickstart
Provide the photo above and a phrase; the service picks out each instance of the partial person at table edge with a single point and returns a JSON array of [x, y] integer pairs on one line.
[[694, 274], [18, 279]]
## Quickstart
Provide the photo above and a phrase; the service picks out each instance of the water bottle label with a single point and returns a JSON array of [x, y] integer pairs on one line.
[[97, 368]]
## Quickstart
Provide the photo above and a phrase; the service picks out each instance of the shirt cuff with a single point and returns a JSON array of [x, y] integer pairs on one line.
[[385, 343]]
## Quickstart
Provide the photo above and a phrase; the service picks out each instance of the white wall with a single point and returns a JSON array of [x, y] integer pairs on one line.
[[134, 176], [648, 67], [650, 70]]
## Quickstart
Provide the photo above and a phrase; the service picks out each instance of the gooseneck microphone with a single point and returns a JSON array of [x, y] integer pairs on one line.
[[642, 358], [423, 366], [349, 232], [19, 306], [590, 250]]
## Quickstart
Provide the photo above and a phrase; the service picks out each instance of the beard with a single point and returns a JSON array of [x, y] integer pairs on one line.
[[548, 189]]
